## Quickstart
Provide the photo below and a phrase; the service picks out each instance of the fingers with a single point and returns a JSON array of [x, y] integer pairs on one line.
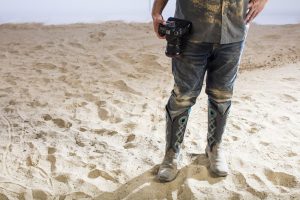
[[250, 15], [156, 21], [254, 8], [250, 5], [156, 26], [159, 36], [254, 15]]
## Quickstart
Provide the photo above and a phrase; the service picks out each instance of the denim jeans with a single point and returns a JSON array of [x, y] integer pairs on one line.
[[220, 62]]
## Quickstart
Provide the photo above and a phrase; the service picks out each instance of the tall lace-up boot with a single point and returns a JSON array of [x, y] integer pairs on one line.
[[217, 117], [175, 130]]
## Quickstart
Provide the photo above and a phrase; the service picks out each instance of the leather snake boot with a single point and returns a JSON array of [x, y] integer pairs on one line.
[[217, 117], [175, 130]]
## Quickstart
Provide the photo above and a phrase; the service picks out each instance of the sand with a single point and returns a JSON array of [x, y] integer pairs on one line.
[[82, 116]]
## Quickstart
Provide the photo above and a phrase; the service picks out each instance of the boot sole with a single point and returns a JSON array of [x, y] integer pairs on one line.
[[163, 179], [220, 174]]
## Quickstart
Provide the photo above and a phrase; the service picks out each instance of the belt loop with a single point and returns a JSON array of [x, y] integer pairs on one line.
[[214, 47]]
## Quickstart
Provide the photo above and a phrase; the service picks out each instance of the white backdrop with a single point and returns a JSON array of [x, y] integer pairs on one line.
[[72, 11]]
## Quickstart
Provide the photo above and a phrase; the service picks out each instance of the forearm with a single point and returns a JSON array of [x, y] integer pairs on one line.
[[158, 6]]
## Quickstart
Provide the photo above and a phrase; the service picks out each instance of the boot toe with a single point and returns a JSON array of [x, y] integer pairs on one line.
[[219, 172], [166, 174], [218, 163]]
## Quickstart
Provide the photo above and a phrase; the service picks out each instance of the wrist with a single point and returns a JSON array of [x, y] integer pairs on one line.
[[156, 15]]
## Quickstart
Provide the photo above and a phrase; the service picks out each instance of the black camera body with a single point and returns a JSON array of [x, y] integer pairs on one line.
[[176, 31]]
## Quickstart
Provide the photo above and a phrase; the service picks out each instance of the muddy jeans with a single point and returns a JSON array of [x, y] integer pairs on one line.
[[221, 63]]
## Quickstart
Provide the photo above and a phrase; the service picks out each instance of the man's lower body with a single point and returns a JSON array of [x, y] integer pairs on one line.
[[220, 62]]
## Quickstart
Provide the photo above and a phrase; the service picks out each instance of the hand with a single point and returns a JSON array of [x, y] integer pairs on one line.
[[255, 7], [158, 19]]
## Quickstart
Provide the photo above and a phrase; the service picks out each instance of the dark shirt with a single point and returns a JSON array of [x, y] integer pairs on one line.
[[215, 21]]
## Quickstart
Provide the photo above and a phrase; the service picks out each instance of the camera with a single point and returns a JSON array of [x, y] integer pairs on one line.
[[176, 31]]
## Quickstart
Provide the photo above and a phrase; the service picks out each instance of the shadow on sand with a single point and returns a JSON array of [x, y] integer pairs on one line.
[[146, 186]]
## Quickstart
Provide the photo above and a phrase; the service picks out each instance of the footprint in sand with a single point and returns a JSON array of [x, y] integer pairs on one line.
[[288, 98], [47, 66], [111, 63], [41, 135], [50, 43], [291, 154], [122, 85], [145, 106], [57, 121], [265, 143], [39, 194], [234, 138], [9, 110], [79, 141], [36, 103], [51, 158], [289, 79], [12, 51], [254, 127], [92, 98], [105, 132], [72, 80], [253, 130], [97, 36], [126, 57], [273, 37], [99, 173], [105, 115], [47, 117], [93, 63], [151, 62], [284, 118], [129, 127], [242, 184], [76, 45], [32, 160], [281, 178], [129, 146], [61, 123], [82, 129], [51, 150], [63, 178], [245, 97], [130, 138], [38, 47], [236, 126]]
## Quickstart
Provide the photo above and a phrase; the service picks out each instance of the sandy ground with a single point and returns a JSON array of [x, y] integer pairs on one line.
[[82, 116]]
